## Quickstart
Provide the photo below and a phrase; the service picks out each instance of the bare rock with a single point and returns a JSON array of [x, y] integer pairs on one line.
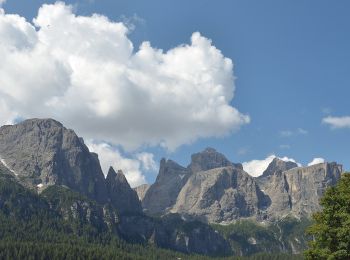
[[43, 153], [220, 195], [163, 193], [141, 190], [121, 195]]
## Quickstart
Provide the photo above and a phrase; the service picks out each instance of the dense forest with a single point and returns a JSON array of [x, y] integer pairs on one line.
[[33, 226]]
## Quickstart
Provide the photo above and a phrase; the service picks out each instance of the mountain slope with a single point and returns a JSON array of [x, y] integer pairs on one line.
[[41, 152], [220, 195]]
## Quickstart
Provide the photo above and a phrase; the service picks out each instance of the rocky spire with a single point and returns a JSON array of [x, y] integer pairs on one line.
[[121, 195]]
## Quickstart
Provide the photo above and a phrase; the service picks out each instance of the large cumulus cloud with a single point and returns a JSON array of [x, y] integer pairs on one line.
[[85, 72]]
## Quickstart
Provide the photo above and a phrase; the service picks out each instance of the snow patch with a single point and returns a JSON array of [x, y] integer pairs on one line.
[[182, 176]]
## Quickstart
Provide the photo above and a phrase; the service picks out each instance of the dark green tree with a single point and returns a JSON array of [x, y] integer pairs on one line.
[[331, 230]]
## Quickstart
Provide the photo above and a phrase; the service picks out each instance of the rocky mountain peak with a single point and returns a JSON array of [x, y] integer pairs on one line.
[[121, 195], [208, 159], [162, 194], [169, 167], [117, 177], [42, 153], [278, 164]]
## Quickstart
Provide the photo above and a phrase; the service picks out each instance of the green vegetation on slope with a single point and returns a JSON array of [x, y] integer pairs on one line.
[[331, 230], [248, 237], [37, 227]]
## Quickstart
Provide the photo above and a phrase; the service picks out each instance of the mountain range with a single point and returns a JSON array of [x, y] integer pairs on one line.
[[201, 208]]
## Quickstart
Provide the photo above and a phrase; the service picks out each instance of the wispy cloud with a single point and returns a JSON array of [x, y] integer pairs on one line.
[[289, 133], [337, 122], [285, 146]]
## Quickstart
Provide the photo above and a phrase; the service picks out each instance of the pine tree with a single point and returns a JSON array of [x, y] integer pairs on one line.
[[331, 230]]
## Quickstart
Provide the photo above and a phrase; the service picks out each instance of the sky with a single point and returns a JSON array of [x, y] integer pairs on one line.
[[142, 80]]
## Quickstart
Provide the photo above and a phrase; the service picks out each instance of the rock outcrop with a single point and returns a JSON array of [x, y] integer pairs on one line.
[[163, 193], [41, 152], [210, 159], [121, 195], [296, 192], [174, 233], [220, 195], [278, 165], [217, 191], [141, 190]]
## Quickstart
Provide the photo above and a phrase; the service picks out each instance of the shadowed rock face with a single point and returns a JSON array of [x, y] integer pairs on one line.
[[43, 153], [163, 193], [121, 195], [174, 233], [220, 195]]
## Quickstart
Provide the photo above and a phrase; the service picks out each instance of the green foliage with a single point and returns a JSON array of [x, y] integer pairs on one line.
[[331, 230], [249, 237], [33, 227]]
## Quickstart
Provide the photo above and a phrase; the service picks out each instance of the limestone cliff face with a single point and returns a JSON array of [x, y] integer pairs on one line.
[[121, 195], [218, 191], [278, 165], [141, 190], [41, 153], [209, 159], [220, 195], [163, 193], [297, 191]]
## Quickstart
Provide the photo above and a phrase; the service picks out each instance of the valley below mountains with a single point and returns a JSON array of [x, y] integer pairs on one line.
[[53, 191]]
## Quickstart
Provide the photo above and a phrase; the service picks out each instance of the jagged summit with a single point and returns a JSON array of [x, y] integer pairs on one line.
[[118, 176], [162, 194], [121, 195], [208, 159], [278, 164], [42, 152]]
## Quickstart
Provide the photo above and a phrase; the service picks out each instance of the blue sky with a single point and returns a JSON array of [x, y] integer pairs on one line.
[[291, 63]]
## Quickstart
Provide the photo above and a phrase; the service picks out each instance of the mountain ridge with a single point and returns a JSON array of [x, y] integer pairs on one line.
[[179, 211]]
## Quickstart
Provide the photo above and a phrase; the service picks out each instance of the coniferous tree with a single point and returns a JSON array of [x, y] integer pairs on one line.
[[331, 230]]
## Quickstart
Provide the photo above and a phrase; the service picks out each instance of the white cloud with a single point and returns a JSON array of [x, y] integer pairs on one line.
[[85, 72], [289, 133], [337, 122], [286, 133], [256, 168], [285, 146], [302, 131], [287, 159], [316, 161], [110, 156], [147, 160]]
